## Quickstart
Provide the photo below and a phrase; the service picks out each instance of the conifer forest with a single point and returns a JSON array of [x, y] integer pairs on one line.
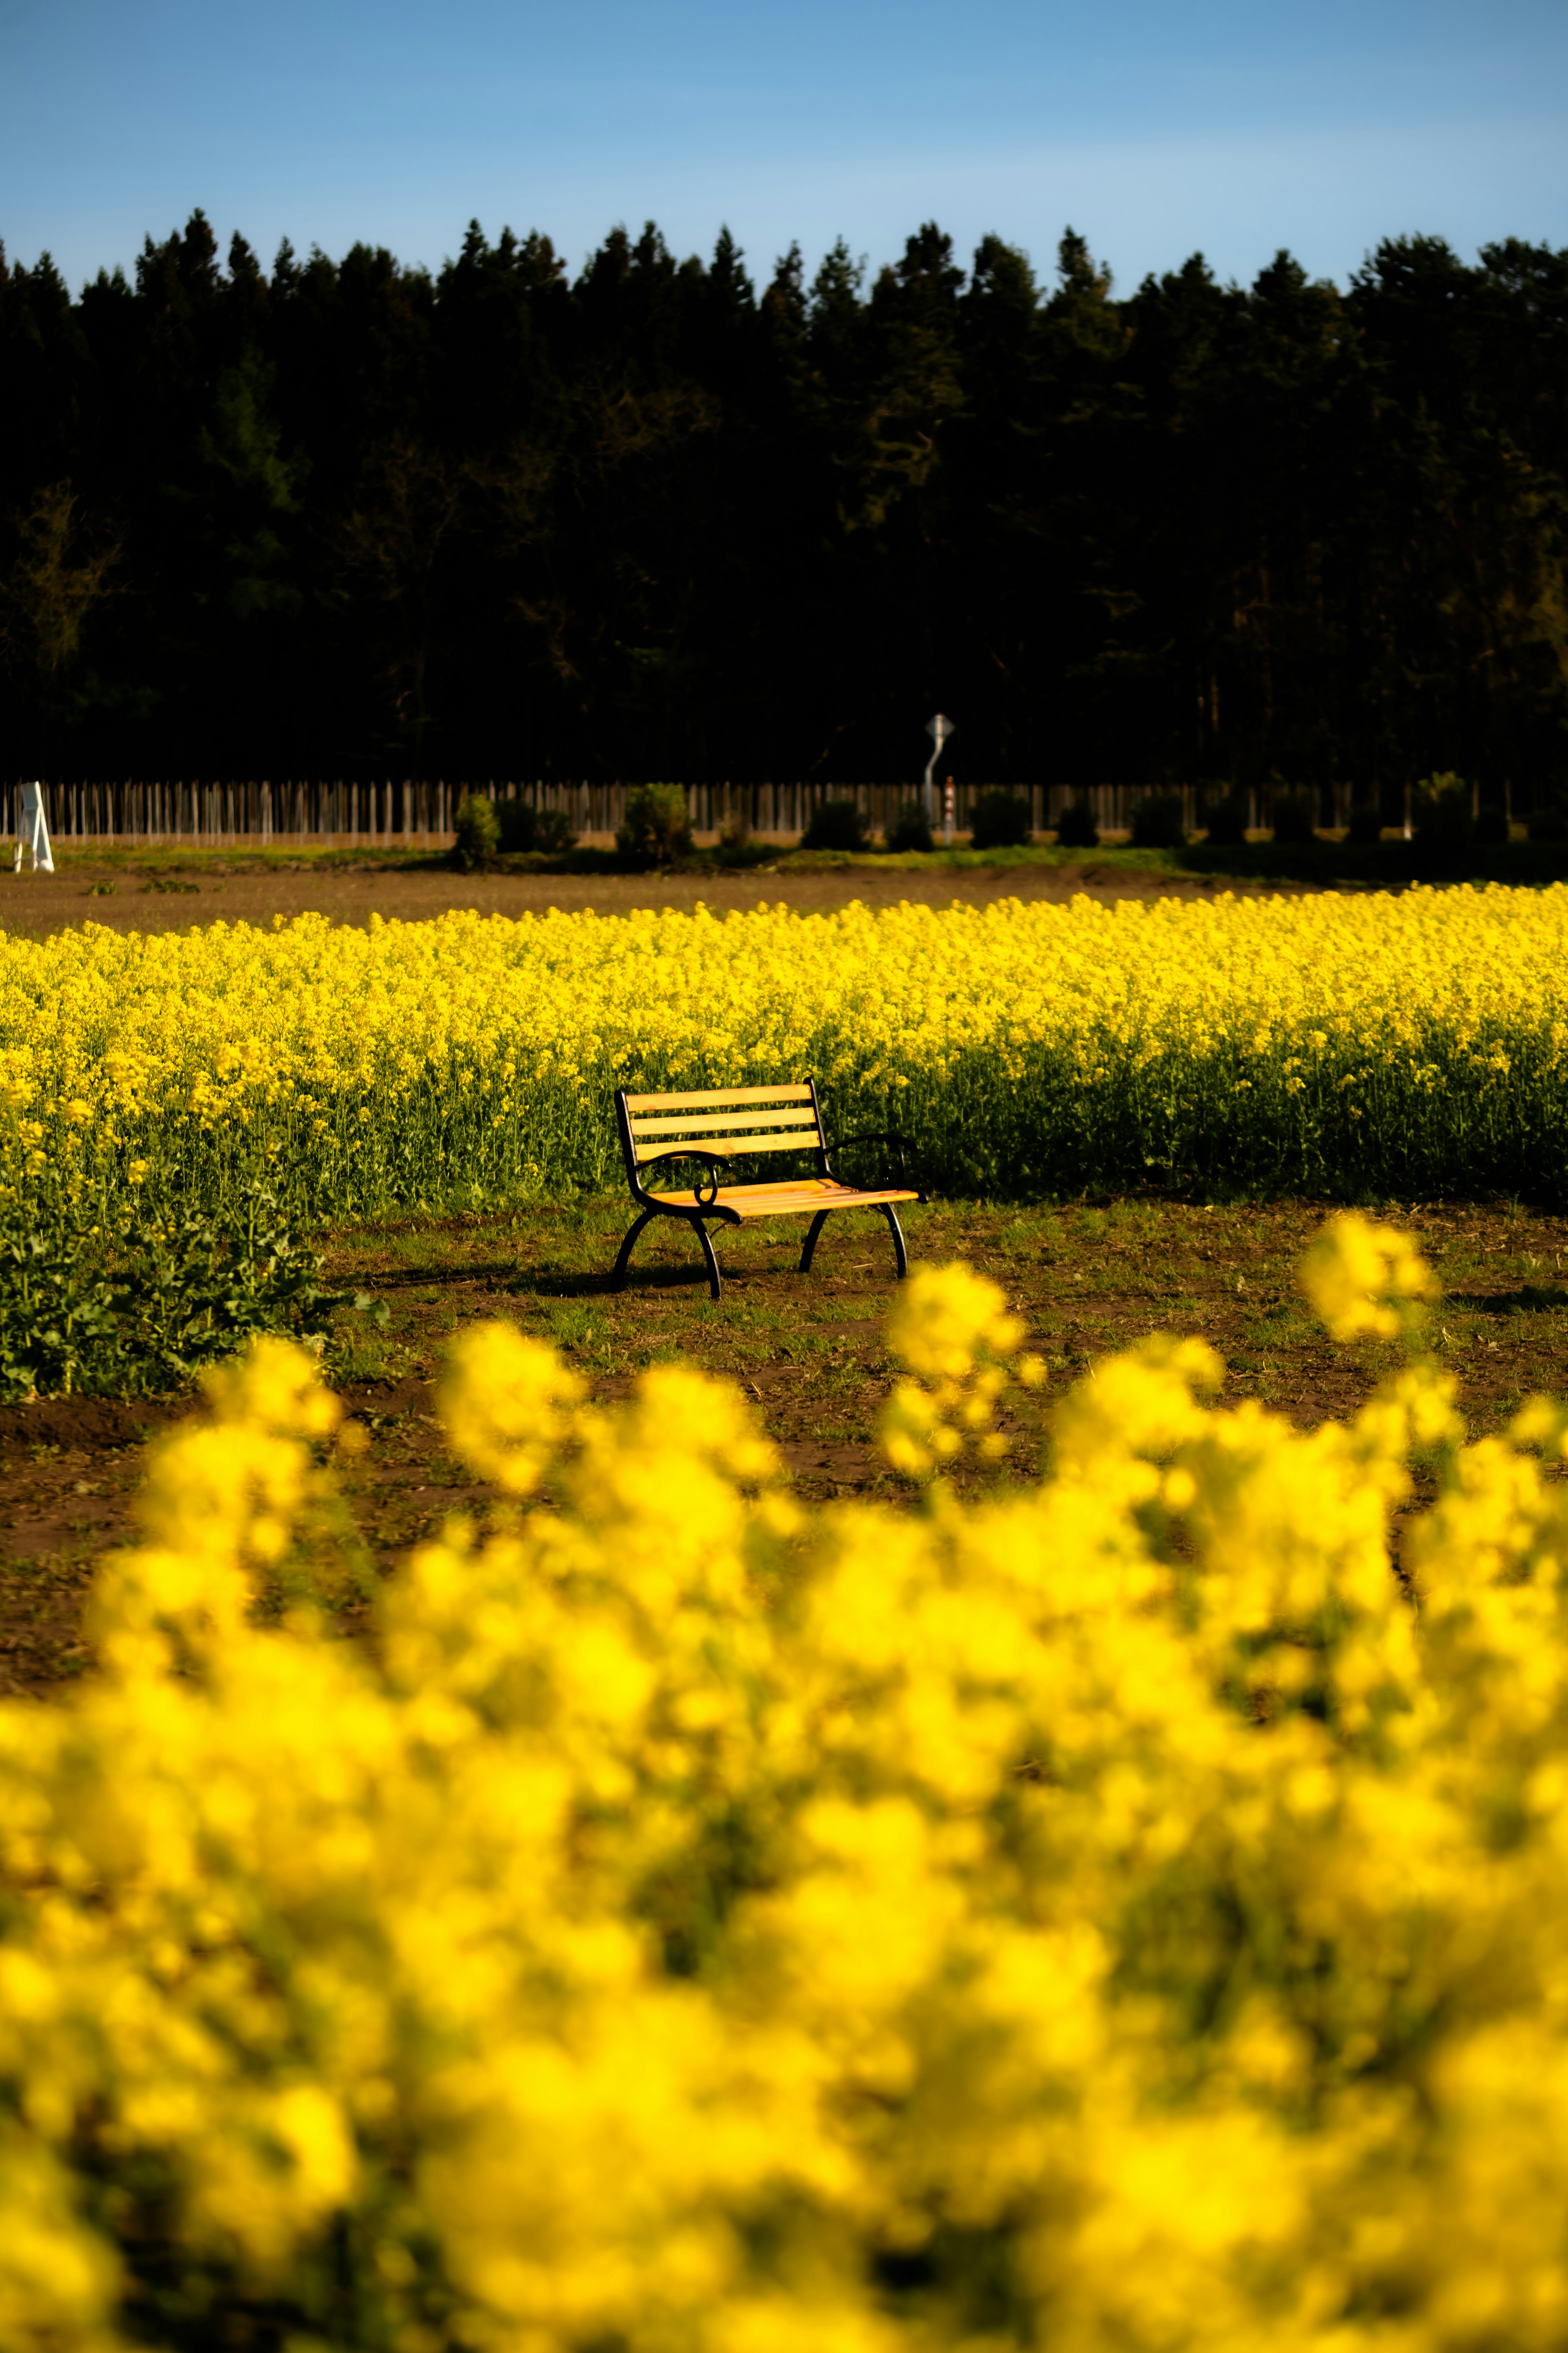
[[667, 519]]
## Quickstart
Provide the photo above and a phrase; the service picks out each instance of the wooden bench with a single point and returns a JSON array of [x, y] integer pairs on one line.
[[729, 1124]]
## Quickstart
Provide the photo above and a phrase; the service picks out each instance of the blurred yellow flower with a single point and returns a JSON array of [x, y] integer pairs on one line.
[[1117, 1912]]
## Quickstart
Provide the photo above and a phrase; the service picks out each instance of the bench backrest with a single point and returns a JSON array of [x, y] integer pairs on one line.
[[736, 1120]]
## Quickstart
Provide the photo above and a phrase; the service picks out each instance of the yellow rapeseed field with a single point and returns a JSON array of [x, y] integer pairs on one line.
[[1121, 1917], [1368, 1045]]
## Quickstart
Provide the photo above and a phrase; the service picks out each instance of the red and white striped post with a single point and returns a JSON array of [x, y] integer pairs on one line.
[[938, 729]]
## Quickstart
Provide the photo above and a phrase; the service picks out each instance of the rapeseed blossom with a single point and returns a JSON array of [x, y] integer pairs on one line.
[[1367, 1046], [1125, 1911]]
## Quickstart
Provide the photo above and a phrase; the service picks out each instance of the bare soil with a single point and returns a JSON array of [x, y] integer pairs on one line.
[[178, 891], [808, 1351]]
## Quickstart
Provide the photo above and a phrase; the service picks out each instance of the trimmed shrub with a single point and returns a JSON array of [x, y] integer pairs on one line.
[[1441, 809], [911, 830], [657, 828], [1294, 818], [517, 820], [524, 827], [1157, 822], [1000, 821], [1225, 821], [835, 824], [478, 831], [1076, 828], [1492, 829]]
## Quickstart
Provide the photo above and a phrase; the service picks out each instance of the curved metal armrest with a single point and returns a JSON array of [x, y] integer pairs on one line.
[[900, 1145], [717, 1162]]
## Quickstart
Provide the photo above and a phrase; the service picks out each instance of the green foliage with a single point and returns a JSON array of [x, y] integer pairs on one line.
[[1158, 823], [59, 1323], [51, 585], [545, 832], [1492, 827], [911, 830], [120, 1305], [553, 833], [835, 824], [719, 548], [478, 830], [657, 828], [1000, 821], [739, 847], [1294, 818], [1225, 821], [1441, 809], [1076, 828], [1366, 823]]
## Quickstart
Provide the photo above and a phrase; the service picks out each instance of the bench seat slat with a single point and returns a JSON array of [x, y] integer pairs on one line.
[[738, 1149], [783, 1200], [720, 1095], [784, 1117], [798, 1189], [757, 1205]]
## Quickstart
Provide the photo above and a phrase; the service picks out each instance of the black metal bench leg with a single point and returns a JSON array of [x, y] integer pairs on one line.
[[900, 1252], [715, 1282], [808, 1251], [618, 1279]]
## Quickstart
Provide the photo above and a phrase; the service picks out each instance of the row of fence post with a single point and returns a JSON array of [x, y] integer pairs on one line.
[[243, 815], [419, 812]]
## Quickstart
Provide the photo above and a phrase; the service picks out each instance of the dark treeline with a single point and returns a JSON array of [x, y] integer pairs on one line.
[[348, 518]]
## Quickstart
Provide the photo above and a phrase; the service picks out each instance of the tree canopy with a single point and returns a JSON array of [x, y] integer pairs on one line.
[[351, 518]]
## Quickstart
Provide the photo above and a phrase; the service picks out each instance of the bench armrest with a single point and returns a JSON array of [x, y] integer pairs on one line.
[[717, 1162], [902, 1145]]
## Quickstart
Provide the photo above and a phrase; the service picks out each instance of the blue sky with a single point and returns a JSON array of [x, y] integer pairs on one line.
[[1157, 131]]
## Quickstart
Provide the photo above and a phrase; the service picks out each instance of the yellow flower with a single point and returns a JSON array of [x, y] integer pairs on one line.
[[1318, 1042], [1113, 1912], [1357, 1276]]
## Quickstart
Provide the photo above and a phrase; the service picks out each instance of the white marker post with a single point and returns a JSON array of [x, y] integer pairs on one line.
[[947, 814], [938, 729], [33, 831]]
